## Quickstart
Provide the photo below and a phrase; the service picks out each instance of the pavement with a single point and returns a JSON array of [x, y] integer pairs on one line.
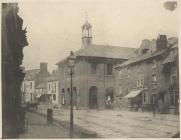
[[38, 128], [120, 123]]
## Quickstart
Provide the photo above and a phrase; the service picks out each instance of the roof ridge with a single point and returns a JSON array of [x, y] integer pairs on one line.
[[94, 45]]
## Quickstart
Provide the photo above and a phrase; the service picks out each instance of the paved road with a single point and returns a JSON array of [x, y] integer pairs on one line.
[[38, 128], [122, 124]]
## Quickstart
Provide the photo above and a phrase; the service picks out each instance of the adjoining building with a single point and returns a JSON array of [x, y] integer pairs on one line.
[[41, 93], [33, 78], [151, 78], [93, 78], [53, 90]]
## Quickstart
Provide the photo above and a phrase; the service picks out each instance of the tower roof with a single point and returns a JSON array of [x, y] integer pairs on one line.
[[86, 25]]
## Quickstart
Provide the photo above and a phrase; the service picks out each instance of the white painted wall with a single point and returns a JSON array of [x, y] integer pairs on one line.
[[28, 88], [52, 88]]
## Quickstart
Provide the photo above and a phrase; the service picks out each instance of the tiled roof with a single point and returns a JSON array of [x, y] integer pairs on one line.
[[172, 43], [105, 51], [41, 85], [31, 74]]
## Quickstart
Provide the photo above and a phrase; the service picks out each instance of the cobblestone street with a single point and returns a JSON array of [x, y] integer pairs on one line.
[[121, 123]]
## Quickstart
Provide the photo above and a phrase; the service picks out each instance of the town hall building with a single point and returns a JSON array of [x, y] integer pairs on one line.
[[94, 75]]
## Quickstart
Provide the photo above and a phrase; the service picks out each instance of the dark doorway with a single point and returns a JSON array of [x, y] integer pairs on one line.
[[93, 97]]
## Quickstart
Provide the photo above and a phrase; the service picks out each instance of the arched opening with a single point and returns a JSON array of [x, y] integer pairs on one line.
[[109, 99], [93, 97]]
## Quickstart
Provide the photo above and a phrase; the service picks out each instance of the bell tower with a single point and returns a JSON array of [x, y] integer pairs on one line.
[[86, 34]]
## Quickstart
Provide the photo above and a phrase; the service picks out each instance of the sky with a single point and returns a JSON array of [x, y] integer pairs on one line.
[[54, 27]]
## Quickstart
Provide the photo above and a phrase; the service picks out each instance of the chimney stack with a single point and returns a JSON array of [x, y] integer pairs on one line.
[[161, 42], [43, 67]]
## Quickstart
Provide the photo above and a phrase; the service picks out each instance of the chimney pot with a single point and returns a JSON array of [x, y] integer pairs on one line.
[[161, 42]]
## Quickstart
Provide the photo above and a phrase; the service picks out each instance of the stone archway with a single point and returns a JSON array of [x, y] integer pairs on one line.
[[93, 97]]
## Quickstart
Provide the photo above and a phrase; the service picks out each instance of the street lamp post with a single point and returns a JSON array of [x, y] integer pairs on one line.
[[71, 65]]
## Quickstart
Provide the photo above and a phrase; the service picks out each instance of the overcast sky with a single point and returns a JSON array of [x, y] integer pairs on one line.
[[54, 27]]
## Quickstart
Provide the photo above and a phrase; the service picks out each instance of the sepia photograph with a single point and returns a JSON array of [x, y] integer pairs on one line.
[[90, 69]]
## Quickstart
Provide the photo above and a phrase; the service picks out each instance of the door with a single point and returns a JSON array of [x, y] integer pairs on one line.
[[93, 97]]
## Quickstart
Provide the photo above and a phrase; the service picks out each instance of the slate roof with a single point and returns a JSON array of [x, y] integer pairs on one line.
[[141, 58], [105, 51], [31, 74], [172, 43]]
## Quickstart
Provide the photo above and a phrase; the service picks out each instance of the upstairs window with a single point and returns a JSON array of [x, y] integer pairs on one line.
[[93, 68], [109, 69], [173, 77], [140, 81]]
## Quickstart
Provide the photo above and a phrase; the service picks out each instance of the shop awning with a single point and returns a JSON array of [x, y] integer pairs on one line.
[[133, 93]]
